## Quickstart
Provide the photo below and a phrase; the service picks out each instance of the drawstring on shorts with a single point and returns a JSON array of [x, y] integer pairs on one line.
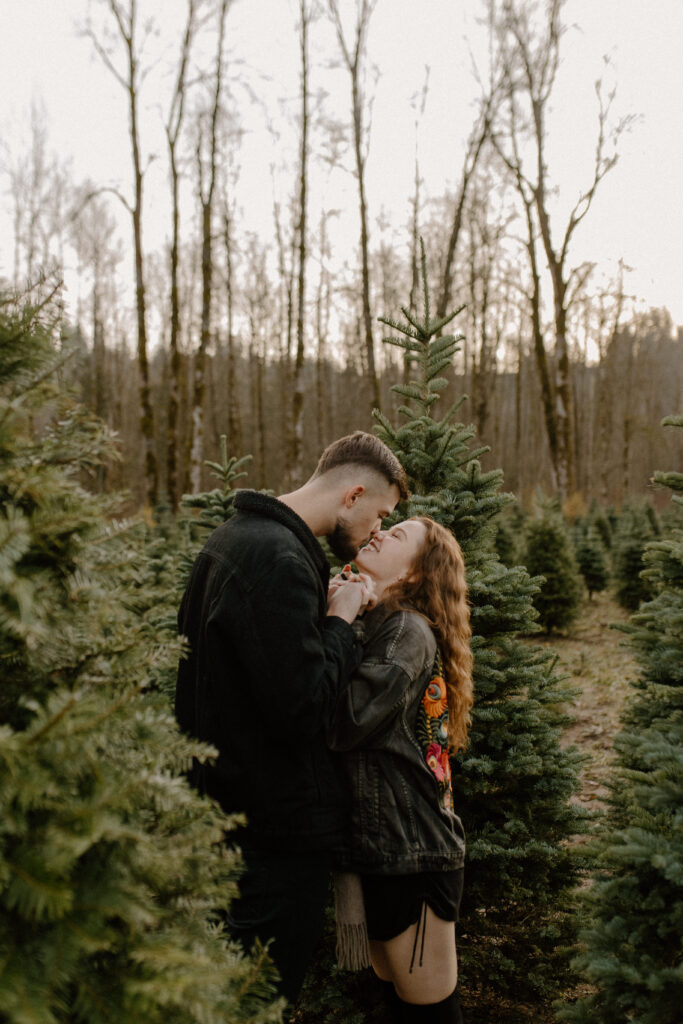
[[421, 921]]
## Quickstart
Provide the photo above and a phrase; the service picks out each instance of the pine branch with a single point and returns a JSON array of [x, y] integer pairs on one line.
[[403, 328]]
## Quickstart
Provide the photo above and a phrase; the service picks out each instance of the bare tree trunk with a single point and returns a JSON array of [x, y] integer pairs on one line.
[[604, 396], [234, 425], [547, 397], [99, 368], [415, 233], [174, 354], [566, 458], [196, 432], [206, 197], [286, 313], [518, 398], [258, 400], [474, 148], [353, 63], [296, 426], [147, 414], [373, 379], [126, 21], [530, 59], [322, 318], [627, 428], [173, 127], [414, 262]]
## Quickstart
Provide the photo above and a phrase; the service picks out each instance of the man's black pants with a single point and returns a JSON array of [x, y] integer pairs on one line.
[[283, 898]]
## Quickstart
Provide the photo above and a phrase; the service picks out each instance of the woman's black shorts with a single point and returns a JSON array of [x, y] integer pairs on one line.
[[394, 902]]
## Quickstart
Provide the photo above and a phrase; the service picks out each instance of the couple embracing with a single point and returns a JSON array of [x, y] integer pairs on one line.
[[334, 706]]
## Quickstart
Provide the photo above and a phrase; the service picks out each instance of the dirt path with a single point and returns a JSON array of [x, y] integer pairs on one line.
[[597, 663]]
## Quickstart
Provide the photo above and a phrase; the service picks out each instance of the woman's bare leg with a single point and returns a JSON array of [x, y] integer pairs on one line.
[[434, 972]]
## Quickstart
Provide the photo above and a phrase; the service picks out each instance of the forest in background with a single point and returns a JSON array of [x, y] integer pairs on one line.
[[114, 873], [273, 341]]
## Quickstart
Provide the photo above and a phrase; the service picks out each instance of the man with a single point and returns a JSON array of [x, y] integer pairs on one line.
[[269, 655]]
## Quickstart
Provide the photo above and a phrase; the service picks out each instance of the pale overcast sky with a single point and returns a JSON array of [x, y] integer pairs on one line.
[[637, 216]]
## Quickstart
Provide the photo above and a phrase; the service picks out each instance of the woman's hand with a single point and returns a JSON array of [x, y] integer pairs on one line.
[[369, 597], [350, 594]]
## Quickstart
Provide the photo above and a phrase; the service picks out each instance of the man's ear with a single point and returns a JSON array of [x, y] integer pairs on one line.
[[353, 494]]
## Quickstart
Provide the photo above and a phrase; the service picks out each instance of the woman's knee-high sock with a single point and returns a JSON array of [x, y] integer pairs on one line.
[[448, 1011]]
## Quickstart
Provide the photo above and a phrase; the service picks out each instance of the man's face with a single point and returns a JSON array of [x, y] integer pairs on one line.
[[361, 520]]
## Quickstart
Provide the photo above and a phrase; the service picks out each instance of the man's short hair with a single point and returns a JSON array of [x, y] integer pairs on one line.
[[363, 449]]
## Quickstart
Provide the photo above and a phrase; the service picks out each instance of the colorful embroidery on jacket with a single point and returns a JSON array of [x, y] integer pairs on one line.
[[432, 731]]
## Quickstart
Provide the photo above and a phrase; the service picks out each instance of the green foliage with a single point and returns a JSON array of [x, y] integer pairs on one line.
[[509, 534], [505, 543], [632, 943], [632, 535], [202, 513], [212, 508], [591, 559], [513, 784], [549, 553], [600, 523], [113, 872]]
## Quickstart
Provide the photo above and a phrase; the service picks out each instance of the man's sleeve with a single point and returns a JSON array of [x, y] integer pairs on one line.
[[298, 665]]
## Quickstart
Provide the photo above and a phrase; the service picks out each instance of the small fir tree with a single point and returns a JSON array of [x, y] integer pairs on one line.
[[204, 512], [513, 784], [549, 553], [113, 872], [632, 951], [632, 535], [505, 543], [598, 521], [591, 560]]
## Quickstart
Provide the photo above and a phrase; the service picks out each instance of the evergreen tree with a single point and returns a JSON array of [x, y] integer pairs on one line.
[[632, 954], [512, 785], [204, 512], [631, 537], [599, 522], [113, 872], [548, 553], [505, 543], [590, 555]]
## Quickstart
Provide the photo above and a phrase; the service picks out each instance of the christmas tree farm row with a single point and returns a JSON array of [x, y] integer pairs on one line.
[[114, 874]]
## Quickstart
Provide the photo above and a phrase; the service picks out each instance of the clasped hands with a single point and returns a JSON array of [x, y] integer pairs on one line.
[[350, 594]]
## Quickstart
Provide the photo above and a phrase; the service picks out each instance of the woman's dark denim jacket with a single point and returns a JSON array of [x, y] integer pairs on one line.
[[400, 825]]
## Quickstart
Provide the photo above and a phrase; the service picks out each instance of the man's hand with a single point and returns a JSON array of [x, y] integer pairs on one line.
[[350, 594]]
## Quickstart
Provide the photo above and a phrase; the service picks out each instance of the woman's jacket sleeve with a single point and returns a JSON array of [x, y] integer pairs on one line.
[[397, 657]]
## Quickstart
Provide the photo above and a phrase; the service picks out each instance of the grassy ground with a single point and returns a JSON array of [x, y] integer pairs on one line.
[[600, 666]]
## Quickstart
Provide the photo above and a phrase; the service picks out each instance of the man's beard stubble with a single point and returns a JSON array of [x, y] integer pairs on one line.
[[341, 543]]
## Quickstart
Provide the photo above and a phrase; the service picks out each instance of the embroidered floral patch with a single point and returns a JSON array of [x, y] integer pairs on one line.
[[432, 732], [435, 700]]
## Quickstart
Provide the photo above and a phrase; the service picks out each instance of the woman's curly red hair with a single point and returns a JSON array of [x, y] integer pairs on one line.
[[438, 590]]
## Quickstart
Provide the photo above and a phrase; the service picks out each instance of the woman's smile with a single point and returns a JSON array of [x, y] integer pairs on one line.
[[391, 554]]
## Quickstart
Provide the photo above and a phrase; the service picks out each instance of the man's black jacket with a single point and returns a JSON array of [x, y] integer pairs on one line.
[[263, 676]]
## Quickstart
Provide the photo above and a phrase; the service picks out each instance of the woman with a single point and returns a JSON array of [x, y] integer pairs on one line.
[[406, 708]]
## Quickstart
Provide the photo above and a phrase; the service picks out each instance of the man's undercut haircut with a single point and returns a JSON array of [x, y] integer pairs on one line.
[[361, 449]]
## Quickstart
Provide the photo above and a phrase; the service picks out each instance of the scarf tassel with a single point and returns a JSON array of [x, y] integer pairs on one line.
[[353, 946]]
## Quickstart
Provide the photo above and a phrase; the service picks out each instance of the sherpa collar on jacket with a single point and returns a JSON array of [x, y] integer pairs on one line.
[[272, 508]]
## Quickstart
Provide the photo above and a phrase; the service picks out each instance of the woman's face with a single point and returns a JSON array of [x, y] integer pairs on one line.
[[391, 554]]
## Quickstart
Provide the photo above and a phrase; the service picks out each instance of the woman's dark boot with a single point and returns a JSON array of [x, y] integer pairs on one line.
[[448, 1011]]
